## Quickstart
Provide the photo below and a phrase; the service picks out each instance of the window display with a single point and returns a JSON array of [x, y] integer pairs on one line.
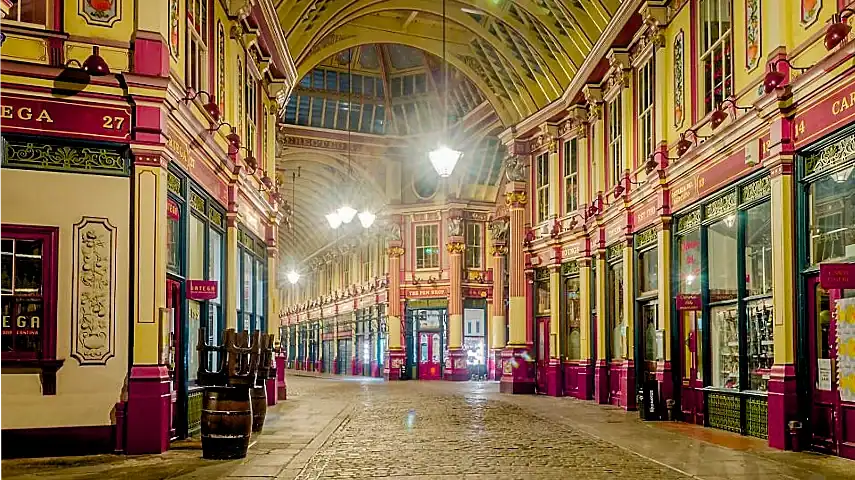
[[758, 250], [541, 292], [721, 248], [616, 321], [832, 216], [760, 344], [648, 270], [725, 342], [572, 317]]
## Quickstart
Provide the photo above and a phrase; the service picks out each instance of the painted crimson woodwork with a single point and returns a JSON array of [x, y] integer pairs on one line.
[[65, 118], [835, 109]]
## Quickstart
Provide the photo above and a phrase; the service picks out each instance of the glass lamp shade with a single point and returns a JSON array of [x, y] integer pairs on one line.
[[366, 219], [346, 213], [334, 220], [293, 277], [444, 160], [842, 176]]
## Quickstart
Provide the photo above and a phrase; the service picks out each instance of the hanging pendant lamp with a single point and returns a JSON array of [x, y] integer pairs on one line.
[[444, 158]]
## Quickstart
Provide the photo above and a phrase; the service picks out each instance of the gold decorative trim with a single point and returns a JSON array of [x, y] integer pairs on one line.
[[395, 251], [516, 199], [455, 248], [757, 189], [646, 238], [689, 221], [721, 206]]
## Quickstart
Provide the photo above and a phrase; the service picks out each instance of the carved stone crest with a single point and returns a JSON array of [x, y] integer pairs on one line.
[[393, 231], [499, 230], [516, 169], [455, 227], [93, 317]]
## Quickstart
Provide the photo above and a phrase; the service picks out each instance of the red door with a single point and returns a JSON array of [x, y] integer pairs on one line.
[[542, 351], [173, 302], [832, 421], [692, 394], [429, 356]]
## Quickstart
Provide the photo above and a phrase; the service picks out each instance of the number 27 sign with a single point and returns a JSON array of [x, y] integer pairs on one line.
[[67, 118]]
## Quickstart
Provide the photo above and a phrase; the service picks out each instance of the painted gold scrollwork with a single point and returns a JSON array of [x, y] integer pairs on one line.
[[496, 250], [395, 251], [516, 199], [455, 248]]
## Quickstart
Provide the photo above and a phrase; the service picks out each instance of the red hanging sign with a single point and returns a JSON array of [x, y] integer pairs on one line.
[[837, 275], [689, 302], [172, 210], [201, 289]]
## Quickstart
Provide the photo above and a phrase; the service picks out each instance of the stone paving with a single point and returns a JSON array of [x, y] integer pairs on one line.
[[367, 429]]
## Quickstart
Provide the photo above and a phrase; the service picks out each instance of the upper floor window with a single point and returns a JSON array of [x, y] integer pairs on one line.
[[542, 187], [28, 292], [716, 52], [571, 176], [32, 13], [251, 101], [427, 246], [646, 89], [615, 135], [197, 44], [473, 245]]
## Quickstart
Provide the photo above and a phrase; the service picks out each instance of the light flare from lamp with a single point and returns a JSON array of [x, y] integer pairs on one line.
[[293, 277], [444, 160], [346, 213], [366, 219], [334, 220]]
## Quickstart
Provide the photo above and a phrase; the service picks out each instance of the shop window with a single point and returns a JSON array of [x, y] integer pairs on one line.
[[573, 317], [29, 266], [173, 237], [832, 216], [716, 52], [571, 176], [646, 91], [260, 294], [725, 344], [32, 13], [615, 137], [721, 238], [542, 187], [648, 271], [427, 246], [473, 245], [541, 287], [758, 250], [251, 102], [197, 45], [215, 272], [616, 319]]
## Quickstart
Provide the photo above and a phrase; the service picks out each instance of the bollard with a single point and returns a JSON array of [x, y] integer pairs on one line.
[[671, 406], [795, 430]]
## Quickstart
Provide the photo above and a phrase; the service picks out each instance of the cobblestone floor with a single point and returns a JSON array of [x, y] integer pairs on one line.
[[366, 429]]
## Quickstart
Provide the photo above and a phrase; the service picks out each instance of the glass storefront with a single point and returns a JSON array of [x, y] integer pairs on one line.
[[616, 320], [572, 314], [650, 347], [252, 272], [726, 239]]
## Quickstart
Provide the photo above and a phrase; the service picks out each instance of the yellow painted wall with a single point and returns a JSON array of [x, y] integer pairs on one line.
[[85, 395]]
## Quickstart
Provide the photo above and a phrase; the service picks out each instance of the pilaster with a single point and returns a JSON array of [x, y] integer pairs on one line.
[[149, 388], [663, 367], [518, 366], [458, 370], [601, 366], [554, 377], [586, 372], [397, 354], [498, 328]]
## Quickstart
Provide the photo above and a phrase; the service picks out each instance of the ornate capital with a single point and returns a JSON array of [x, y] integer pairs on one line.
[[455, 226], [594, 98], [499, 230], [498, 250], [619, 62], [395, 252], [455, 247], [516, 199]]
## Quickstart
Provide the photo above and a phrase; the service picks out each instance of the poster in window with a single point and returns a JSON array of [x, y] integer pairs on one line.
[[845, 311]]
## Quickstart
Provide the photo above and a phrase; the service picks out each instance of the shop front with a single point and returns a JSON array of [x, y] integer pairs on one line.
[[620, 367], [827, 249], [426, 336], [475, 336], [363, 338], [541, 328], [251, 266], [649, 333], [571, 323], [344, 344], [328, 344], [195, 255], [313, 346], [725, 325], [379, 352]]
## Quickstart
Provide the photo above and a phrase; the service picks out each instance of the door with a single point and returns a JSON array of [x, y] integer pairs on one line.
[[822, 354], [692, 394], [174, 361], [429, 356], [542, 351]]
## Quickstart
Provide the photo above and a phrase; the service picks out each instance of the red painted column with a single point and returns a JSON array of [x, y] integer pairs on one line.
[[396, 356], [518, 364], [459, 370]]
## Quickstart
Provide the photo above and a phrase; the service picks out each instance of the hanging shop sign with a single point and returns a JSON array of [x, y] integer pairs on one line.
[[428, 293], [201, 289], [65, 118], [836, 109], [689, 302], [837, 275], [846, 349]]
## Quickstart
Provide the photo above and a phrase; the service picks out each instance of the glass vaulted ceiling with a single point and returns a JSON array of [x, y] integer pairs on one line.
[[396, 90]]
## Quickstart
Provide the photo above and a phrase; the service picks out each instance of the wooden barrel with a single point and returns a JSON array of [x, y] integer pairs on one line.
[[259, 406], [226, 422]]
